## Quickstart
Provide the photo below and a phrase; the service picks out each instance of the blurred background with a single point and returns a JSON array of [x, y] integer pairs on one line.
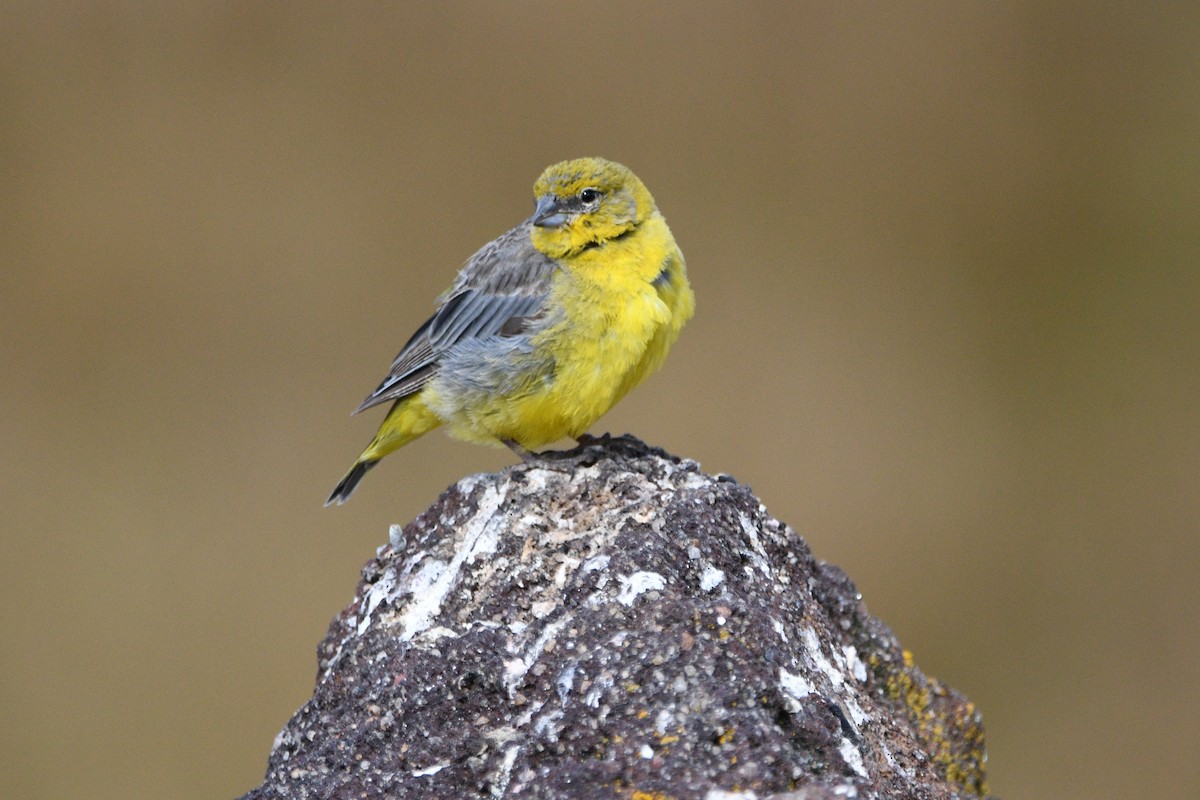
[[947, 263]]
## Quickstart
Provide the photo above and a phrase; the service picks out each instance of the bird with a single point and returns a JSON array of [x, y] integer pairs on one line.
[[546, 327]]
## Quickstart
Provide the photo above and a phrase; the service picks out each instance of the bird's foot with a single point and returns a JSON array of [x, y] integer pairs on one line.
[[526, 456], [547, 458]]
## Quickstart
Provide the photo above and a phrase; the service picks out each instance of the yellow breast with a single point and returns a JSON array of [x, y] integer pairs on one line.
[[618, 308]]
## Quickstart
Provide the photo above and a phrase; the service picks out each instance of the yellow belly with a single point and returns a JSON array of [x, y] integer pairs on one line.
[[613, 327]]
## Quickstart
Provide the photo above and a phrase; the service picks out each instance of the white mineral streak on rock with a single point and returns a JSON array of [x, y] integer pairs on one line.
[[536, 481], [435, 579], [504, 773], [434, 770], [711, 578], [593, 564], [850, 666], [515, 669], [565, 682], [796, 687], [854, 662], [546, 726], [758, 554], [852, 756], [637, 583], [813, 645], [599, 686], [857, 715], [380, 590]]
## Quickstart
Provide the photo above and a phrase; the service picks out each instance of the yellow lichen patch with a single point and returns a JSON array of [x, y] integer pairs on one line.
[[643, 714], [640, 795], [726, 736], [949, 729], [668, 739], [967, 772]]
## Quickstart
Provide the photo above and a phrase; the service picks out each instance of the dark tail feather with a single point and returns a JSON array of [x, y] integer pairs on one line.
[[346, 488]]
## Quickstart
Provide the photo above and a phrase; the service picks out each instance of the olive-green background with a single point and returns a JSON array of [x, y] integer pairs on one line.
[[947, 262]]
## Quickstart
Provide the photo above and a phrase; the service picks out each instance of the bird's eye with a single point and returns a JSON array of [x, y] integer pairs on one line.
[[590, 196]]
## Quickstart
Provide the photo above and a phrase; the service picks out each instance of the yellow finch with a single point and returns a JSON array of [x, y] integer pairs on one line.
[[546, 327]]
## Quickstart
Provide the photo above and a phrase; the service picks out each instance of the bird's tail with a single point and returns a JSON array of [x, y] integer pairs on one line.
[[408, 419], [347, 485]]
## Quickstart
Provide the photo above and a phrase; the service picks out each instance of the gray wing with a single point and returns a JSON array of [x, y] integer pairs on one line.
[[499, 290]]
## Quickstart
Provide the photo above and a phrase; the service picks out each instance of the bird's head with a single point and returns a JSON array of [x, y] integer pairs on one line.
[[584, 203]]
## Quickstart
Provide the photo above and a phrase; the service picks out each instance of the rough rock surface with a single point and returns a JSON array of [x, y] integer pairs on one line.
[[613, 623]]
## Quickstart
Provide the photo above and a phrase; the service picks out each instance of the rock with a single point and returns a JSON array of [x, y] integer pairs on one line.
[[614, 623]]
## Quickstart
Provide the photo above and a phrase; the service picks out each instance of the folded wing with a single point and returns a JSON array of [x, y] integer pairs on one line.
[[502, 285]]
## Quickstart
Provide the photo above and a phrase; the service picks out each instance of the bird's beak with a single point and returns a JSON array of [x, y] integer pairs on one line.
[[549, 212]]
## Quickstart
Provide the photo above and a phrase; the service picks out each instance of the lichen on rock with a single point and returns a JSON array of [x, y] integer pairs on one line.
[[612, 622]]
